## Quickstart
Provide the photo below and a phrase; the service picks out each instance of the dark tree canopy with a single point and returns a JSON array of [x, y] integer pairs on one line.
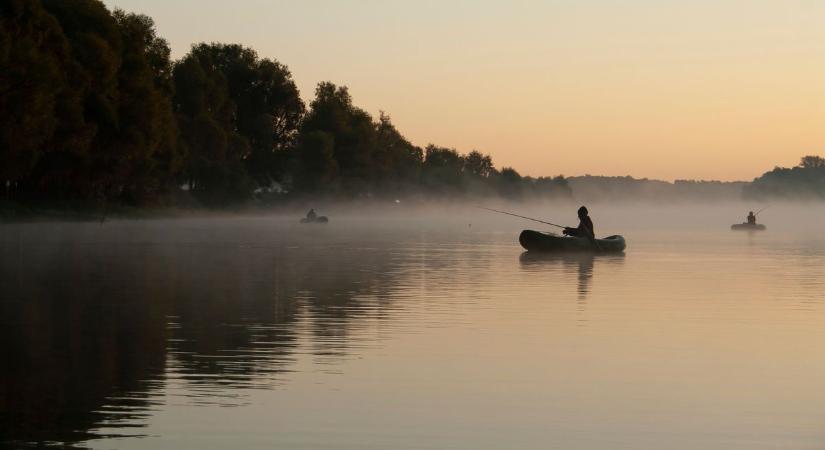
[[39, 108], [805, 181], [812, 162], [478, 165], [95, 111], [442, 170], [91, 94], [510, 183], [351, 132], [148, 130], [239, 116], [397, 161]]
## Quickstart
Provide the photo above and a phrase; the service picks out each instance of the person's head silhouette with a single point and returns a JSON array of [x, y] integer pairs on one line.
[[582, 212]]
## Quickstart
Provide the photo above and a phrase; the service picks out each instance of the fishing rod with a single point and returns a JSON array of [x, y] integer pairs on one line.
[[523, 217], [757, 212], [591, 239]]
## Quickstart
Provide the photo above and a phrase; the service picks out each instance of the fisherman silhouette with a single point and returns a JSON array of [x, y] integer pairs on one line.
[[585, 228]]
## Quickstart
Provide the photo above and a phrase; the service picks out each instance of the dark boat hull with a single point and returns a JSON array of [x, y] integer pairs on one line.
[[319, 219], [537, 241], [748, 227]]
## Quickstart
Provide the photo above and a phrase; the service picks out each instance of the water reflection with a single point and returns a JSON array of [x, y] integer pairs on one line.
[[77, 350], [126, 330], [580, 263], [93, 336]]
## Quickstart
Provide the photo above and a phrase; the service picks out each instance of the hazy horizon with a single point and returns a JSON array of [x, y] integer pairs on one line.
[[722, 91]]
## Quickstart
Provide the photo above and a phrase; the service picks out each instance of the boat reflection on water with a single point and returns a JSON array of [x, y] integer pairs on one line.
[[581, 263]]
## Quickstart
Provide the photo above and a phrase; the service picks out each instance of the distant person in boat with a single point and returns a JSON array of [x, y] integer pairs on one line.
[[751, 218], [311, 215], [585, 228]]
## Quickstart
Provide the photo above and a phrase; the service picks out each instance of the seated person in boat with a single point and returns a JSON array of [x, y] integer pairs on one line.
[[585, 228], [311, 215], [751, 218]]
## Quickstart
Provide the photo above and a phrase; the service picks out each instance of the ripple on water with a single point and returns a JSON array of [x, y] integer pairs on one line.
[[123, 335]]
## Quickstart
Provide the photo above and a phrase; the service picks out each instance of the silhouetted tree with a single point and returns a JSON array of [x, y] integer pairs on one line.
[[478, 165], [318, 168], [39, 104], [239, 116], [101, 103], [148, 132], [352, 134], [509, 183], [550, 187], [812, 162], [397, 162], [206, 115], [442, 170], [94, 110], [805, 181]]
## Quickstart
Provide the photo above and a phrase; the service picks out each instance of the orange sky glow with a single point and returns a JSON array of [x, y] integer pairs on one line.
[[660, 89]]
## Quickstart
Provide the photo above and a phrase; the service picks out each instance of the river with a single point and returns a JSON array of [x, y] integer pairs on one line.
[[413, 331]]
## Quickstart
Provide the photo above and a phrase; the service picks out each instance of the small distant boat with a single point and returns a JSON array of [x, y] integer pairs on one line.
[[748, 226], [319, 219], [548, 242]]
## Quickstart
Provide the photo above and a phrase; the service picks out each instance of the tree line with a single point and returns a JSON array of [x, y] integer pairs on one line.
[[94, 109], [806, 181]]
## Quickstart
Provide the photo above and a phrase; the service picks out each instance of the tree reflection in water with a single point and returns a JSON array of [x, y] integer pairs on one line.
[[94, 334]]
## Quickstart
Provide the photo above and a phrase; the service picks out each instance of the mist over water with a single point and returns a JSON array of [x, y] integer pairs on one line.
[[411, 327]]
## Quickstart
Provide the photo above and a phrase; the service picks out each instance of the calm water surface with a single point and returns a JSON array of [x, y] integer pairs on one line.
[[260, 333]]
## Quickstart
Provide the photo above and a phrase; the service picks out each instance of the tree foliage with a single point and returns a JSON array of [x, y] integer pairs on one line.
[[805, 181], [351, 133], [38, 105], [95, 110], [239, 117], [89, 94], [812, 162]]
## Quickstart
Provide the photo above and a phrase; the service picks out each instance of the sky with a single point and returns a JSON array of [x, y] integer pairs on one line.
[[700, 89]]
